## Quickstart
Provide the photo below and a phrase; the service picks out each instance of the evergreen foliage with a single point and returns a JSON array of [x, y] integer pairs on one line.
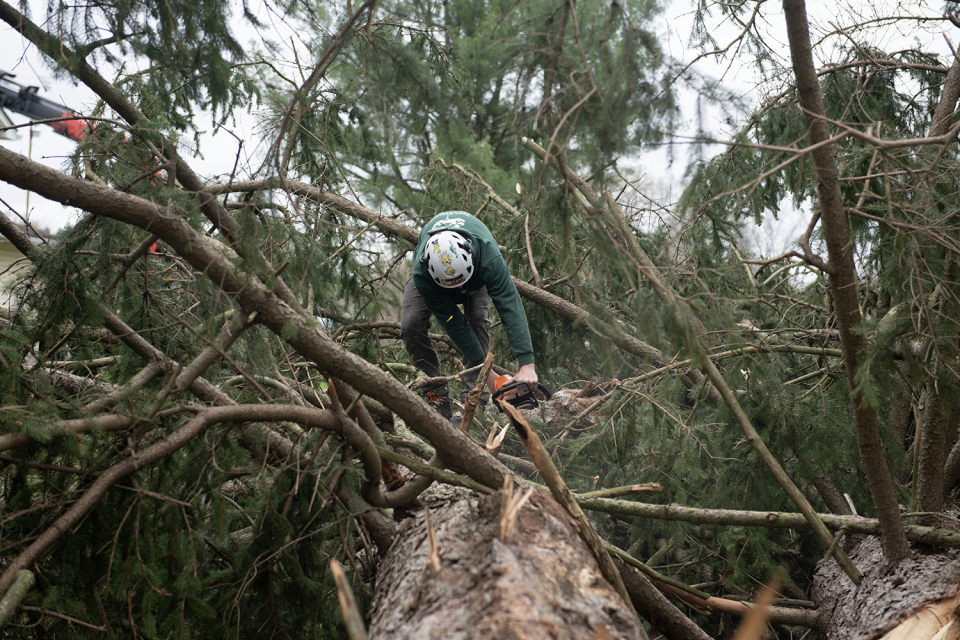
[[423, 109]]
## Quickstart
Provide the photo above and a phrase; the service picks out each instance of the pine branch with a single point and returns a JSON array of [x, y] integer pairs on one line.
[[290, 323], [431, 471], [294, 113], [705, 603], [165, 447], [655, 607], [697, 343], [68, 428], [616, 492]]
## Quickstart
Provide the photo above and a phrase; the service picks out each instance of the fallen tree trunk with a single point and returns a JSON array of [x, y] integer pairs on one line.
[[914, 601], [533, 579]]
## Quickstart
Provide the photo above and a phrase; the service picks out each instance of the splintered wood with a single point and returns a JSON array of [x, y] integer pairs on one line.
[[932, 621], [510, 508], [473, 398]]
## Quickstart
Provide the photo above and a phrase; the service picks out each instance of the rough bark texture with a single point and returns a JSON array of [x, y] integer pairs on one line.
[[541, 583], [884, 598], [951, 469], [943, 116], [830, 495], [932, 445]]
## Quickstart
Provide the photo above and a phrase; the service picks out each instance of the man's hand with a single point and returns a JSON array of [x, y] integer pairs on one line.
[[527, 373]]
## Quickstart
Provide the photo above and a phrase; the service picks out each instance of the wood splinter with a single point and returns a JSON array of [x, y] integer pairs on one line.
[[433, 557], [494, 440], [473, 398], [510, 508], [348, 604]]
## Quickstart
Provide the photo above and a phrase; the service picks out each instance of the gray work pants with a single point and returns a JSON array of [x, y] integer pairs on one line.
[[415, 327]]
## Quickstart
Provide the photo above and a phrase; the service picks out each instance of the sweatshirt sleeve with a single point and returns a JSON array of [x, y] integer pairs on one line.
[[506, 299]]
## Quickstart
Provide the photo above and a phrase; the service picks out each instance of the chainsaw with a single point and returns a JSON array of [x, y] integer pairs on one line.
[[519, 394]]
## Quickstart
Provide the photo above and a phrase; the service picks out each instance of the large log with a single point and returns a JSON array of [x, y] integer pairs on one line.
[[912, 601], [541, 581]]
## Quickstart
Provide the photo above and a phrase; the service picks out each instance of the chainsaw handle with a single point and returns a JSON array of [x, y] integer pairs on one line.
[[498, 394]]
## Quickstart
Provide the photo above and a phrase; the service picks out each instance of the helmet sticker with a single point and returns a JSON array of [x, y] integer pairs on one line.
[[446, 259], [451, 271]]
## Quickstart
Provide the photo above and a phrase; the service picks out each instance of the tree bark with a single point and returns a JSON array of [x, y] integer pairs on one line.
[[12, 598], [843, 280], [931, 462], [830, 495], [951, 469], [930, 483], [540, 581], [940, 122], [886, 598]]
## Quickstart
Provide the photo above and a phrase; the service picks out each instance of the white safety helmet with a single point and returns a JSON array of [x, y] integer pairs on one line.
[[448, 258]]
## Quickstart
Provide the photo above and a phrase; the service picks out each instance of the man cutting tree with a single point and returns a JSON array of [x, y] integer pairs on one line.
[[457, 262]]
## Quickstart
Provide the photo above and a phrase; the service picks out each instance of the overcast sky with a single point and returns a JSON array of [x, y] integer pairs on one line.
[[221, 151]]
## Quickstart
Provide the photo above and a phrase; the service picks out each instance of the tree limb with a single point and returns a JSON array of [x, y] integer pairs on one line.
[[294, 325], [12, 598], [934, 536], [843, 280]]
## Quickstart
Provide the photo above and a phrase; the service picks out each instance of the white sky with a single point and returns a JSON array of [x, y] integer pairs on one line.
[[221, 151]]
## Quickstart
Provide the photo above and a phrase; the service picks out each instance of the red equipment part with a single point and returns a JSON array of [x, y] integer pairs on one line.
[[70, 128], [22, 99]]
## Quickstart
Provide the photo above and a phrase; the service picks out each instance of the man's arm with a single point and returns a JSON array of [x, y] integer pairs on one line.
[[506, 299]]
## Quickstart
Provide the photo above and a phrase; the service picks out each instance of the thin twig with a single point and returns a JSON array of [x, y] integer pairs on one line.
[[533, 266], [70, 619]]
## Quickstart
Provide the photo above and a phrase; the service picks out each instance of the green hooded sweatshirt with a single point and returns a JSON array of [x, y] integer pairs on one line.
[[490, 270]]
